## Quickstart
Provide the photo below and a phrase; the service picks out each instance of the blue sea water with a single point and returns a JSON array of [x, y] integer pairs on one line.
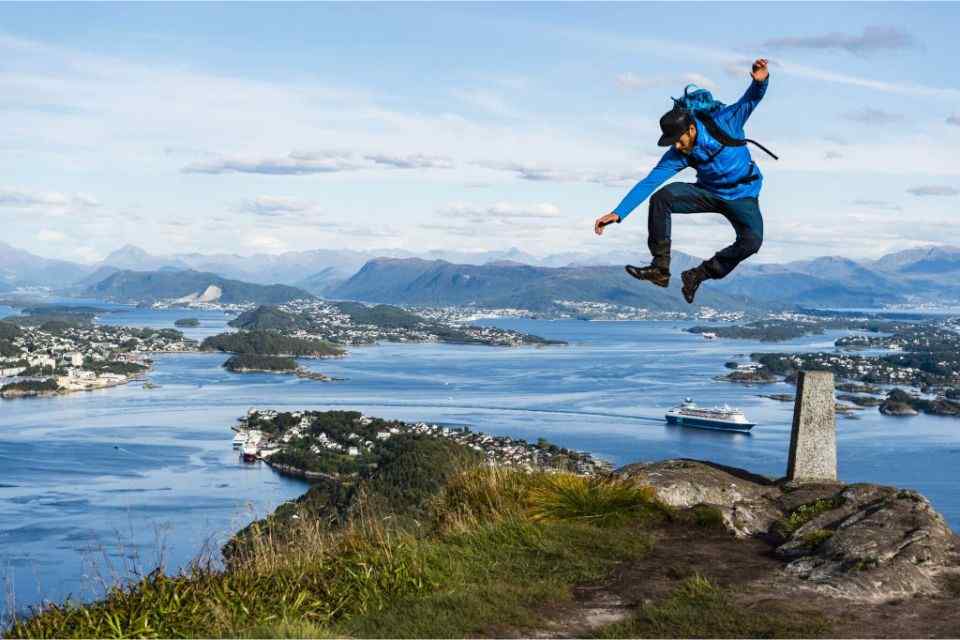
[[93, 484]]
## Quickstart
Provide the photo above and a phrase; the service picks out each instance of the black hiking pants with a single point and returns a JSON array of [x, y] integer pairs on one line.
[[683, 197]]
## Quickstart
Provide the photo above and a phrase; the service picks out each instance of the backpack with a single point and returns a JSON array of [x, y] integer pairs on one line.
[[702, 104]]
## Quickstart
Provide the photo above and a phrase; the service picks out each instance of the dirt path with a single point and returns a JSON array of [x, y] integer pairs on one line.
[[747, 569]]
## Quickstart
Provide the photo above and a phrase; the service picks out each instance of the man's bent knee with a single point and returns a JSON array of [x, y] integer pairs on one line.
[[750, 244]]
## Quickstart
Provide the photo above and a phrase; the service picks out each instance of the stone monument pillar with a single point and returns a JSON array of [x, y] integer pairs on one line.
[[813, 443]]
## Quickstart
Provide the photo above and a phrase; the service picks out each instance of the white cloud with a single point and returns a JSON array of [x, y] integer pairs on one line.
[[271, 206], [20, 198], [630, 80], [536, 172], [50, 235], [878, 204], [264, 243], [296, 163], [870, 115], [674, 49], [502, 210], [488, 101], [45, 203], [317, 162], [873, 39], [415, 161], [933, 190]]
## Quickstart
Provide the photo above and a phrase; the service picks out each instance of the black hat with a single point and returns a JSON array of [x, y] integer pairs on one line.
[[673, 124]]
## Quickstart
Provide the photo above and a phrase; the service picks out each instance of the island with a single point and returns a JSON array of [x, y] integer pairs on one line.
[[354, 323], [187, 323], [248, 362], [270, 343], [785, 326], [30, 388]]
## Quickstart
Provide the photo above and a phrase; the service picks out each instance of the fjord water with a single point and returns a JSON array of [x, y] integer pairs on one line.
[[95, 483]]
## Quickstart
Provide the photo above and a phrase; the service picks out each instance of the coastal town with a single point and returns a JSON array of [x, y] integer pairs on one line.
[[353, 323], [575, 310], [314, 444], [61, 357], [901, 367]]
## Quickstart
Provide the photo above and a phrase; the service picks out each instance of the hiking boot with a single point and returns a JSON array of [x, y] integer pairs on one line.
[[691, 281], [653, 274], [659, 270]]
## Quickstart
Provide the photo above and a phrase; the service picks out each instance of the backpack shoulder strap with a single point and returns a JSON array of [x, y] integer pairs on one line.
[[725, 138]]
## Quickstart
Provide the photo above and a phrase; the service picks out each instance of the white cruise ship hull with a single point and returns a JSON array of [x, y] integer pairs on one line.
[[707, 423]]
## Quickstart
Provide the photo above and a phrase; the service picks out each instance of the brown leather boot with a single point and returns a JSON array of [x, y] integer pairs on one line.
[[659, 270], [653, 274], [691, 282]]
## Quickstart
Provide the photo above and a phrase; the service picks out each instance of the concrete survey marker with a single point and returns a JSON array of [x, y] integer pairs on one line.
[[813, 443]]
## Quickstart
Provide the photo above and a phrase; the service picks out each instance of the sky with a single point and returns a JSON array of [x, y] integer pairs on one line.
[[263, 128]]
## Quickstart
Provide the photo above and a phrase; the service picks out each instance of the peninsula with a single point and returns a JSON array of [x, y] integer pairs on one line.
[[43, 355], [353, 323]]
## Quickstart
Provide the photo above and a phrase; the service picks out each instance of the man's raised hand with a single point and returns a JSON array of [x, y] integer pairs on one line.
[[603, 221], [759, 71]]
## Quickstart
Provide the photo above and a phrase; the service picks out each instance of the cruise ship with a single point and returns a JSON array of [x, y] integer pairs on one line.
[[688, 414]]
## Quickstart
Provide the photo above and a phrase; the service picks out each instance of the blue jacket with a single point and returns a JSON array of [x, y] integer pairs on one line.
[[727, 166]]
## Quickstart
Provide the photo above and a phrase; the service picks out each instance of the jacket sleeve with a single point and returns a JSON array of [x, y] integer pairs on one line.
[[671, 163], [739, 111]]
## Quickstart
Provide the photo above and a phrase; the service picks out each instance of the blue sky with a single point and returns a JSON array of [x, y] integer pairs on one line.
[[248, 128]]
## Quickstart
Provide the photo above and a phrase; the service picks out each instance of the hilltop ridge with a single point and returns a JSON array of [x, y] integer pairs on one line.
[[429, 543]]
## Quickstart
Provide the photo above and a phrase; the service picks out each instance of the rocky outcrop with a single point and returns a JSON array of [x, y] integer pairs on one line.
[[892, 408], [861, 541], [747, 501], [868, 540]]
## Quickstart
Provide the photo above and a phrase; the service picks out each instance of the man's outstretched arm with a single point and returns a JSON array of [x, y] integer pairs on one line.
[[672, 162], [742, 108]]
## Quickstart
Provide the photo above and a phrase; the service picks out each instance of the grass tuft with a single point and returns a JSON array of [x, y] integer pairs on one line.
[[703, 516], [805, 513], [815, 538], [602, 501], [700, 609]]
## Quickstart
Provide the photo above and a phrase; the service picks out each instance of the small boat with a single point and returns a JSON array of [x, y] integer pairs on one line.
[[709, 335], [249, 452], [688, 414]]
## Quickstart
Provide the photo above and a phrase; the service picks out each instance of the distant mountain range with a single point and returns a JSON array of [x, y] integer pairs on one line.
[[188, 286], [422, 282], [503, 278]]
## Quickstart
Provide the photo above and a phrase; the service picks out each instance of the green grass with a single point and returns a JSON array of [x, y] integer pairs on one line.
[[815, 538], [330, 579], [700, 609], [702, 516], [805, 513], [501, 574], [497, 545]]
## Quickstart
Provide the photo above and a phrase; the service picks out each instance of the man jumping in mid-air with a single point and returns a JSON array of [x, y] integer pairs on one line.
[[728, 183]]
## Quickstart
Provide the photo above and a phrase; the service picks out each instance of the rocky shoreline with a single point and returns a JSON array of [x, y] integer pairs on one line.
[[73, 387]]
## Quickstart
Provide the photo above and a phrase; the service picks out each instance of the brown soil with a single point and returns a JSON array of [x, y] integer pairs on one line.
[[749, 570]]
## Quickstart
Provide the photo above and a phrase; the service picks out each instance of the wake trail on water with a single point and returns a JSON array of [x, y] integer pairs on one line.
[[570, 412]]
